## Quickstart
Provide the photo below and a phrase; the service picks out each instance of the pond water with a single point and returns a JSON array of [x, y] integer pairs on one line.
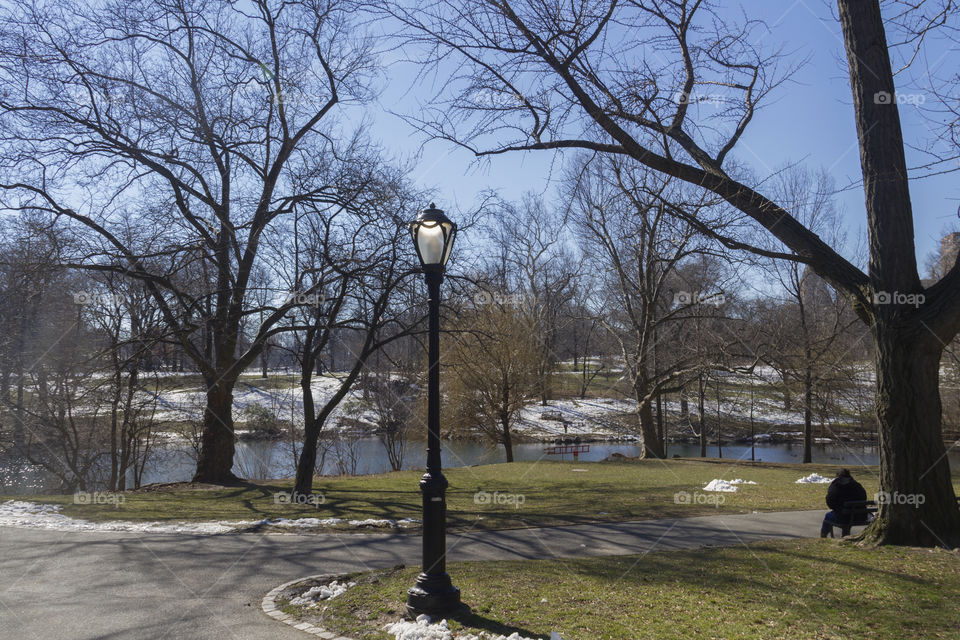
[[269, 459]]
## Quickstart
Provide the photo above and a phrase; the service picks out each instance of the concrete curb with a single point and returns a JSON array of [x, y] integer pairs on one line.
[[269, 607]]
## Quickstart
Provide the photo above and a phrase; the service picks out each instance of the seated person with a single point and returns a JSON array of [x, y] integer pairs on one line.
[[843, 489]]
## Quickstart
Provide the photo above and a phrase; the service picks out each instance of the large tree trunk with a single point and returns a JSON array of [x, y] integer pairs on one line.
[[307, 463], [217, 445], [918, 504], [650, 444], [507, 439], [313, 422], [908, 338]]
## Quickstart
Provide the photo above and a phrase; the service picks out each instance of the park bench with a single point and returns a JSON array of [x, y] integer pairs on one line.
[[860, 512]]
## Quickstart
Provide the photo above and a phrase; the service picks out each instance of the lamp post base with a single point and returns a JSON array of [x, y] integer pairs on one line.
[[433, 595]]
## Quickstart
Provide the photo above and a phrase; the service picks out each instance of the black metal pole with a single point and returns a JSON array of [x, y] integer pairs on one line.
[[434, 279], [433, 593]]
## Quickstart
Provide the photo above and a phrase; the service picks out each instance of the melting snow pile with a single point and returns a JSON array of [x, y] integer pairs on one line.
[[422, 629], [375, 522], [15, 513], [314, 595], [814, 478], [727, 486], [308, 523]]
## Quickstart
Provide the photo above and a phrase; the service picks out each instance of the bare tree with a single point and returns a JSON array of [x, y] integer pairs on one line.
[[708, 334], [622, 214], [35, 289], [128, 326], [627, 79], [342, 268], [396, 399], [83, 419], [536, 266], [809, 346], [220, 115], [494, 361]]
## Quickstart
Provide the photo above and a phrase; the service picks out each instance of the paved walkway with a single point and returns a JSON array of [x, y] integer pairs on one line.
[[79, 586]]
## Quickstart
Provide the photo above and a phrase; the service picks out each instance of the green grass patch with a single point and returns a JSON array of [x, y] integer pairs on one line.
[[494, 496], [797, 590]]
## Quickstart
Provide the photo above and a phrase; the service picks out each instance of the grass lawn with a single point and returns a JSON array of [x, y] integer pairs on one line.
[[513, 494], [797, 590]]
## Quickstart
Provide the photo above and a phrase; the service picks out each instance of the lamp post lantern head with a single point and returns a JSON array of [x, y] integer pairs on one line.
[[433, 235]]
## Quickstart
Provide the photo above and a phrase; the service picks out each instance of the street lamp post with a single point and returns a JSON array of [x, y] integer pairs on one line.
[[433, 593]]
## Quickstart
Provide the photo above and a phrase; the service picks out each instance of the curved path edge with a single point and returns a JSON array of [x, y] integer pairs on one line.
[[269, 607]]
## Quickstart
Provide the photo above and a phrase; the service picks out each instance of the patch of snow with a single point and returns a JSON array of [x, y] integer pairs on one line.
[[573, 417], [15, 513], [314, 595], [814, 478], [309, 523], [727, 486], [305, 523], [720, 485], [424, 629], [285, 401], [373, 522]]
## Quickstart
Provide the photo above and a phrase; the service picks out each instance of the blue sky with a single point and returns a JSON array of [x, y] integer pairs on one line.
[[809, 120]]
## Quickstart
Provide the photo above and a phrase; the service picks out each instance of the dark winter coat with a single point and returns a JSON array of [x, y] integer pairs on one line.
[[842, 490]]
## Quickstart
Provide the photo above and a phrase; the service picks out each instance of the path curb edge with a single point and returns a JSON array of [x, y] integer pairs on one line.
[[269, 606]]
